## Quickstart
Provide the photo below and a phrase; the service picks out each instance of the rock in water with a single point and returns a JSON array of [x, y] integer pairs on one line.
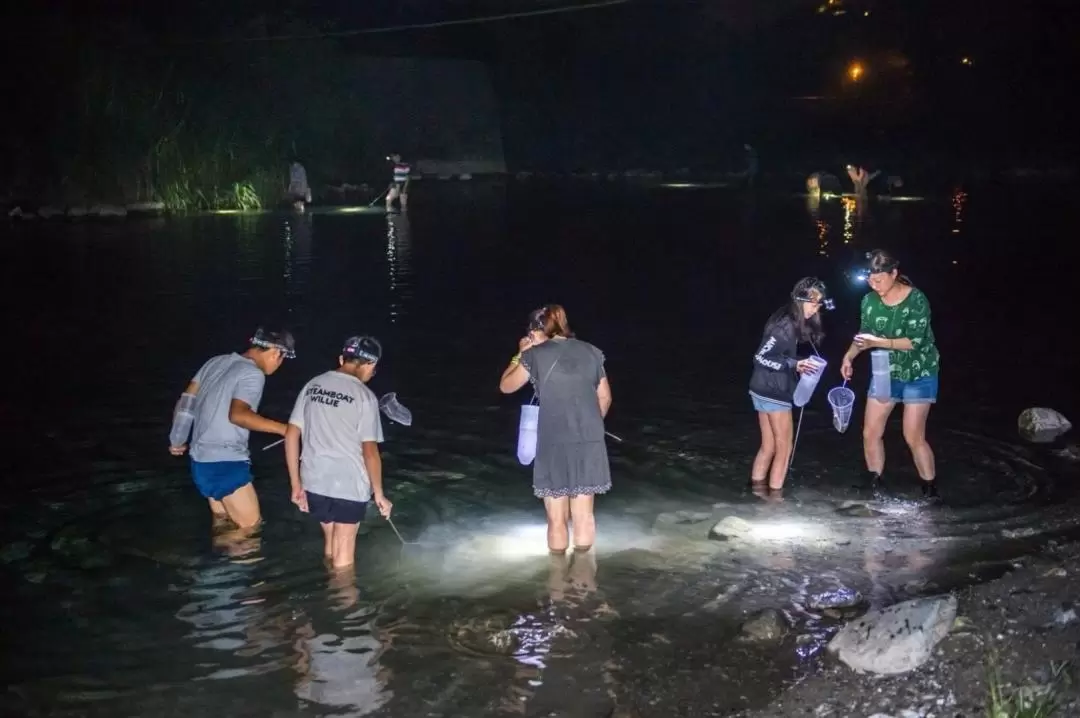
[[765, 626], [1041, 425], [896, 639], [731, 528]]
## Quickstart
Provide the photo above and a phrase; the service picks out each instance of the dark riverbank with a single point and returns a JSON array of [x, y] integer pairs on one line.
[[1026, 617]]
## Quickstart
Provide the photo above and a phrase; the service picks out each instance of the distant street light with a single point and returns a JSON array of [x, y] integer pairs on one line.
[[855, 71]]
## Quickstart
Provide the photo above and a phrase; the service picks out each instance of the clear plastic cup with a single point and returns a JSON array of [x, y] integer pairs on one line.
[[809, 381], [526, 444], [880, 378], [182, 420]]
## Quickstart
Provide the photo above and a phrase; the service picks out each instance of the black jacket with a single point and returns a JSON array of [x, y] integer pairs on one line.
[[774, 374]]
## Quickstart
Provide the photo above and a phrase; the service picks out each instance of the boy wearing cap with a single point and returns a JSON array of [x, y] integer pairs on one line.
[[227, 390], [338, 417]]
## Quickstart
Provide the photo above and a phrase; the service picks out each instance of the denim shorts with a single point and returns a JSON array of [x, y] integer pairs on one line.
[[218, 479], [328, 510], [769, 406], [919, 391]]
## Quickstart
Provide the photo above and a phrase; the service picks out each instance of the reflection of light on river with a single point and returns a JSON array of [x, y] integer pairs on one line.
[[823, 237], [397, 259], [959, 199], [296, 240], [850, 205]]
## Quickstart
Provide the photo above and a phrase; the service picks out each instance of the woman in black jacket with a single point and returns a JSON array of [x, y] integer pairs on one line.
[[776, 369]]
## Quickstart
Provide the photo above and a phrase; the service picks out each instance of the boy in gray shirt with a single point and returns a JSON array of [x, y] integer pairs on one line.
[[224, 398], [337, 416]]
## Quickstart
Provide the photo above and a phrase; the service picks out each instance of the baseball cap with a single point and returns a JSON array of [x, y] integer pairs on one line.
[[364, 348]]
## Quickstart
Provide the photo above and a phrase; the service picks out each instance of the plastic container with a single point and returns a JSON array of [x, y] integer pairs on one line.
[[880, 380], [526, 445], [809, 381], [842, 401], [182, 420]]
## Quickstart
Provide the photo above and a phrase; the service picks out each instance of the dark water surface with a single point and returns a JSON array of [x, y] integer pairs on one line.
[[119, 602]]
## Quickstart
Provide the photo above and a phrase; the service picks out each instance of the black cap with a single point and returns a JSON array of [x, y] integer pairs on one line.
[[364, 348], [275, 340]]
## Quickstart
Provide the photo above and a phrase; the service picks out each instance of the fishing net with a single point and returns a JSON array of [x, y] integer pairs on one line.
[[393, 409], [842, 401]]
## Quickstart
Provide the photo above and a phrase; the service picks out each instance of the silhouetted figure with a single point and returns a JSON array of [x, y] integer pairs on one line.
[[299, 192], [751, 165], [860, 178]]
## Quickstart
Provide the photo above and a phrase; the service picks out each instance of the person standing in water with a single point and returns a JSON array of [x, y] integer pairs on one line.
[[299, 191], [571, 465], [337, 416], [895, 316], [775, 376], [224, 398], [399, 185]]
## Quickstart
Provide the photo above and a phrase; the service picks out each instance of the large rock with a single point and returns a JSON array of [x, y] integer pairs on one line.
[[896, 639], [1041, 425]]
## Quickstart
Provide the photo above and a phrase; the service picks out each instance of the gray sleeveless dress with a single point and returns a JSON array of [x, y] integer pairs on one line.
[[571, 455]]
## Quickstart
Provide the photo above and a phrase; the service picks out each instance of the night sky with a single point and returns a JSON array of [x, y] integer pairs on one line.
[[682, 82]]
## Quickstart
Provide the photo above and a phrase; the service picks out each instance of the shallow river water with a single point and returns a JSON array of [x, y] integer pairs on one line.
[[120, 601]]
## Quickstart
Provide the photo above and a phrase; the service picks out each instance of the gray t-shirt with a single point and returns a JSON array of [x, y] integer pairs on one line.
[[336, 413], [565, 374], [220, 380]]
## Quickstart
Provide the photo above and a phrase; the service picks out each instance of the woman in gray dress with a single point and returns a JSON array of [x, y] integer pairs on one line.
[[571, 463]]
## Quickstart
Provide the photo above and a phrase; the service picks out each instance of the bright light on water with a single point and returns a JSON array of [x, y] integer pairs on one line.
[[783, 530], [358, 210]]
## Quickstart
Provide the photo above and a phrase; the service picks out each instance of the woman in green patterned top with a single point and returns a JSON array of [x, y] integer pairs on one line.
[[896, 317]]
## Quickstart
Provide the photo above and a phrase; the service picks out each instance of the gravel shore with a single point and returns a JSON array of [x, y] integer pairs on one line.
[[1026, 617]]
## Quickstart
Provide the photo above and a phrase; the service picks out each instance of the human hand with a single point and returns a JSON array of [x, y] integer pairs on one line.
[[869, 341], [299, 497], [807, 366], [383, 505], [524, 343], [178, 450], [846, 370]]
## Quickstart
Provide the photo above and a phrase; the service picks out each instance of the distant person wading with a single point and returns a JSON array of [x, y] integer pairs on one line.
[[399, 186], [571, 464]]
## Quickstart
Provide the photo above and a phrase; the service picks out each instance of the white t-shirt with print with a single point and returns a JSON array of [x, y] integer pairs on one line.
[[336, 413]]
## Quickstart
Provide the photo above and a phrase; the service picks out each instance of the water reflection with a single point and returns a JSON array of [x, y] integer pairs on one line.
[[958, 202], [341, 669], [296, 241], [398, 251], [563, 650]]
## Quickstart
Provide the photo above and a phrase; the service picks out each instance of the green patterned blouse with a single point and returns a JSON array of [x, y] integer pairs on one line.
[[909, 319]]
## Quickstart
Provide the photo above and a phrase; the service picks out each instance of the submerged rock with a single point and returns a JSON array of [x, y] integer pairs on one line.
[[896, 639], [1041, 425], [765, 626], [731, 528], [840, 598], [857, 509]]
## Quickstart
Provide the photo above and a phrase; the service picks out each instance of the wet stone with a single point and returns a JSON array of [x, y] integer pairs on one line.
[[857, 510], [764, 627]]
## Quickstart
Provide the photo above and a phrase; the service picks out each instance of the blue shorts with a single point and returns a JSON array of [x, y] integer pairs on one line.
[[218, 479], [920, 391], [769, 406], [327, 510]]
